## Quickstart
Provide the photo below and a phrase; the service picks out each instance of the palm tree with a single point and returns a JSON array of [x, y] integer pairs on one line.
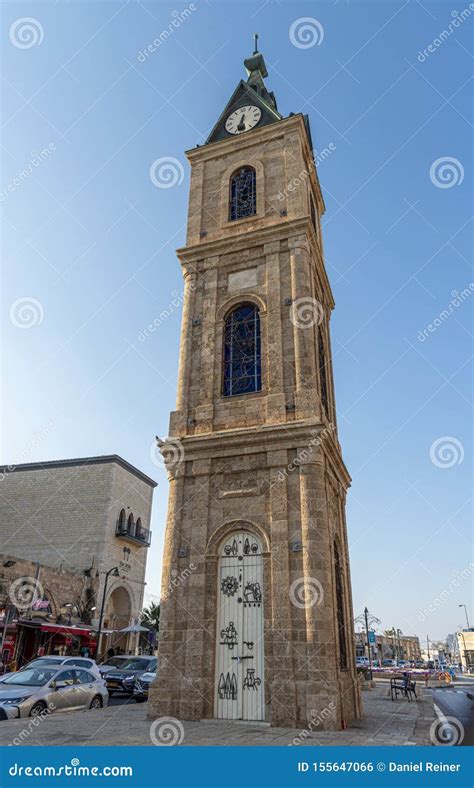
[[150, 616]]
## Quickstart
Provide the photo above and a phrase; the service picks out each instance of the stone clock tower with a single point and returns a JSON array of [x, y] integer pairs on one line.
[[257, 615]]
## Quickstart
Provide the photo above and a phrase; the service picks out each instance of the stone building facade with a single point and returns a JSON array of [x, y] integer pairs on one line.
[[83, 517], [262, 626]]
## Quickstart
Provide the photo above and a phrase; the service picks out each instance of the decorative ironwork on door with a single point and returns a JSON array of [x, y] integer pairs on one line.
[[240, 646]]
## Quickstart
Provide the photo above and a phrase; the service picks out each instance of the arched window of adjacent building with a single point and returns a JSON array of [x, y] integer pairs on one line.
[[138, 526], [243, 193], [314, 217], [121, 521], [323, 377], [131, 525], [340, 616], [242, 354]]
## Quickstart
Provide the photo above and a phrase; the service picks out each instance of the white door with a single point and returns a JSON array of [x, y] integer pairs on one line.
[[240, 652]]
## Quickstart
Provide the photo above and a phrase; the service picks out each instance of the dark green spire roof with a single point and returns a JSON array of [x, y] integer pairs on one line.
[[253, 91]]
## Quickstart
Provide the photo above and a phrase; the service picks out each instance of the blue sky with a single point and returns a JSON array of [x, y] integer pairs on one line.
[[91, 240]]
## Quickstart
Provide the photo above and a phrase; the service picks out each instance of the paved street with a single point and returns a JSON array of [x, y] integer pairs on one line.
[[384, 723], [457, 701]]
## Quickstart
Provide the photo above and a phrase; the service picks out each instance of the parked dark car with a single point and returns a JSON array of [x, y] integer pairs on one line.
[[122, 679], [113, 663], [142, 685]]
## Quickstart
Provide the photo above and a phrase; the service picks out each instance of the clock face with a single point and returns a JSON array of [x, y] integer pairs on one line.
[[243, 119]]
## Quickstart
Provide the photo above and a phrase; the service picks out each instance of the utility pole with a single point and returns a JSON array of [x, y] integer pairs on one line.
[[428, 645]]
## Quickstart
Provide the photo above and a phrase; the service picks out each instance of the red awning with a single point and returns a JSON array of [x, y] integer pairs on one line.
[[65, 630]]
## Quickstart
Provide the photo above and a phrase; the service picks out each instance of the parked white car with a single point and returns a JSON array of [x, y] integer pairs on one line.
[[55, 661]]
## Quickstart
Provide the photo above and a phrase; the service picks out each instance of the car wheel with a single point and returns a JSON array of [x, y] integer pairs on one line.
[[37, 709], [96, 703], [140, 700]]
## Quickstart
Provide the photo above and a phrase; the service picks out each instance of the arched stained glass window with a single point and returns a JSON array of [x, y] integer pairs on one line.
[[243, 193], [341, 620], [242, 354]]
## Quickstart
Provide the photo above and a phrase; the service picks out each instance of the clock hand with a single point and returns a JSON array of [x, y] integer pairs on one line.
[[241, 126]]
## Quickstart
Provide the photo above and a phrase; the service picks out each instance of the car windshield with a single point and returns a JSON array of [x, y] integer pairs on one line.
[[135, 664], [35, 677], [115, 662], [45, 661]]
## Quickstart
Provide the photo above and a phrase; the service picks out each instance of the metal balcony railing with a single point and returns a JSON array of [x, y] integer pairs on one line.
[[135, 533]]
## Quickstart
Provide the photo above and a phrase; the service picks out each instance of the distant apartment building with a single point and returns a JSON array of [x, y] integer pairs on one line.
[[465, 639], [87, 518], [389, 646]]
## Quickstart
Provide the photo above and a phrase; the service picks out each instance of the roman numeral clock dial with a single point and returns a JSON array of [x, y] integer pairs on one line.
[[243, 119]]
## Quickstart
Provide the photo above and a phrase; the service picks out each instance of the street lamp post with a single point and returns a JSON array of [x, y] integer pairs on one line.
[[467, 617], [367, 619], [115, 573], [399, 632]]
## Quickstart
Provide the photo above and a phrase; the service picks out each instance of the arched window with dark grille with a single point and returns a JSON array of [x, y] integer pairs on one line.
[[138, 527], [121, 522], [340, 616], [243, 194], [242, 354], [323, 378], [131, 525]]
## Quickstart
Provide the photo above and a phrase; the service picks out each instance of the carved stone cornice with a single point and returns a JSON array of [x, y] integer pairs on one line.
[[273, 437]]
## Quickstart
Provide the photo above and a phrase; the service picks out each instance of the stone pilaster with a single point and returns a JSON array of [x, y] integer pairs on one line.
[[303, 317], [275, 360], [190, 280], [283, 691], [321, 691], [165, 691]]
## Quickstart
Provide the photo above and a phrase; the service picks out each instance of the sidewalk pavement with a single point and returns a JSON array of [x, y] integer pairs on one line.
[[383, 723]]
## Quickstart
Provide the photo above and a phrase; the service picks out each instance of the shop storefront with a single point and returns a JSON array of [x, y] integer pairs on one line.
[[37, 639]]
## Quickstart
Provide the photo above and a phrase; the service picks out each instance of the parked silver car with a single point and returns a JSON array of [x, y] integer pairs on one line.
[[41, 690]]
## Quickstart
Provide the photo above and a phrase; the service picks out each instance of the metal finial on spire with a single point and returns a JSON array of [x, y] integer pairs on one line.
[[255, 38]]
